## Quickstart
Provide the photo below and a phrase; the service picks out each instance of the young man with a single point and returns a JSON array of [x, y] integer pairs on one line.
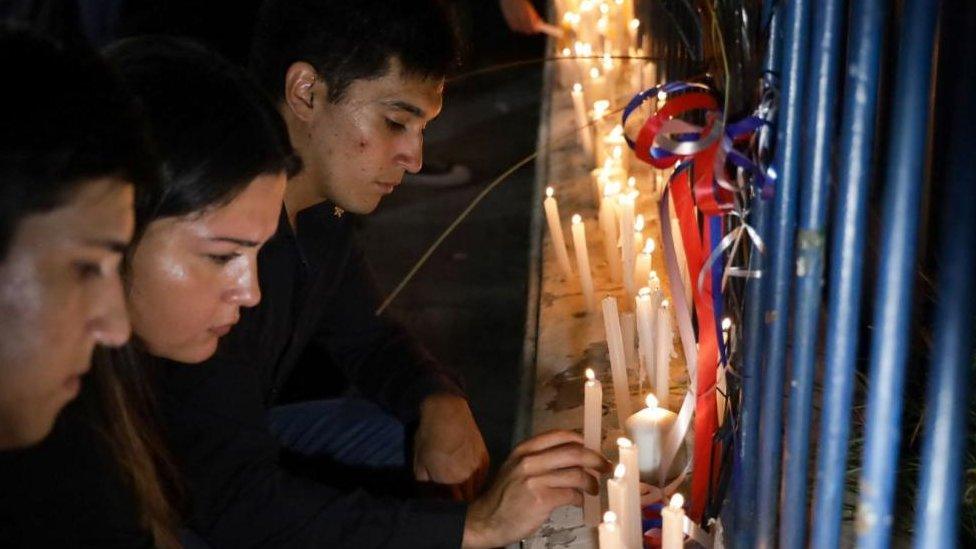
[[356, 82]]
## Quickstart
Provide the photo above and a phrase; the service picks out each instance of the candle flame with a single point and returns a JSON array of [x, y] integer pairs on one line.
[[639, 223], [590, 374], [662, 95], [624, 442], [594, 73], [665, 304], [577, 219], [577, 88], [644, 293], [549, 192], [567, 52], [601, 105], [610, 517], [651, 401], [649, 246], [634, 24], [726, 323], [619, 471], [632, 182], [618, 152], [677, 502], [653, 276]]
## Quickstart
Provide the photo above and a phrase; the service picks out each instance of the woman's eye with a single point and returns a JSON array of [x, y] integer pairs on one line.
[[87, 270], [395, 126], [222, 259]]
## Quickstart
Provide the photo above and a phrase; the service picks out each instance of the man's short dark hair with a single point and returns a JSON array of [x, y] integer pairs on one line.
[[67, 120], [348, 40]]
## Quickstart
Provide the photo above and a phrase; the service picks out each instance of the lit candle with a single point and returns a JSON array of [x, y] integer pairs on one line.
[[642, 271], [632, 27], [646, 318], [583, 128], [609, 70], [626, 203], [556, 232], [663, 345], [649, 428], [598, 84], [600, 108], [673, 527], [654, 282], [615, 143], [583, 262], [639, 224], [617, 501], [662, 96], [618, 366], [592, 424], [609, 532], [631, 523], [608, 225]]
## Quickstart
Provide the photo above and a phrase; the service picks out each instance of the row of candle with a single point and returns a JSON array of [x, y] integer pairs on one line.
[[611, 533]]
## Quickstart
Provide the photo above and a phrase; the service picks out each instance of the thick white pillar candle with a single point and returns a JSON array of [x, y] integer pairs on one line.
[[609, 532], [583, 262], [633, 533], [608, 225], [592, 425], [649, 428], [582, 124], [556, 232], [663, 345], [618, 365], [646, 317], [673, 527], [626, 224]]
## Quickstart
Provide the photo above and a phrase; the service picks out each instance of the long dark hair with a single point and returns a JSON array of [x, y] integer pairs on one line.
[[213, 132]]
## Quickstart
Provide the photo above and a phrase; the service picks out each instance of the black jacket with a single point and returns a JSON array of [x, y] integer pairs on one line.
[[317, 307]]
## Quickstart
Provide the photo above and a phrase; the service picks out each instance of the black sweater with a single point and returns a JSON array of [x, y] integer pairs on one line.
[[317, 308]]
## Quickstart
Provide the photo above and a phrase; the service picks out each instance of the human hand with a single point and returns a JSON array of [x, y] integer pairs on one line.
[[520, 16], [448, 447], [542, 473]]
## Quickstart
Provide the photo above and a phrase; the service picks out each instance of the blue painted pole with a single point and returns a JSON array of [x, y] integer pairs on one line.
[[904, 179], [941, 480], [748, 447], [857, 134], [820, 113], [786, 163]]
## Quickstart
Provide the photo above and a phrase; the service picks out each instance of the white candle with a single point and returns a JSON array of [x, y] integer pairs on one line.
[[556, 232], [600, 108], [649, 428], [663, 345], [646, 317], [632, 27], [579, 107], [626, 203], [610, 72], [618, 366], [614, 144], [609, 532], [628, 330], [633, 533], [639, 237], [642, 271], [608, 225], [617, 500], [598, 84], [673, 527], [583, 262], [592, 425]]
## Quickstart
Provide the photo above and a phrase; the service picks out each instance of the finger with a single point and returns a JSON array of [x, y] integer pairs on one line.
[[566, 455], [421, 473], [545, 440], [571, 477]]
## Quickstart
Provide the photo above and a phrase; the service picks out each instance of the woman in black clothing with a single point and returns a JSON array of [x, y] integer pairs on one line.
[[103, 478]]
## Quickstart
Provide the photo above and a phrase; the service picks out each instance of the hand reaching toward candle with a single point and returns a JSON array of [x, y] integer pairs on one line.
[[542, 473], [448, 447], [520, 16]]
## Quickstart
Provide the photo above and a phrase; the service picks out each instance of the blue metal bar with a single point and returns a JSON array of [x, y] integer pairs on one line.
[[941, 479], [893, 300], [820, 115], [786, 163], [857, 134], [748, 447]]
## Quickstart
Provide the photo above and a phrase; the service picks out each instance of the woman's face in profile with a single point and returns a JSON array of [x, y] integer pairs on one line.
[[191, 275], [60, 295]]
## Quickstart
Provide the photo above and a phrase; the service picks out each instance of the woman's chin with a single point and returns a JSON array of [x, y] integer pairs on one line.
[[194, 354]]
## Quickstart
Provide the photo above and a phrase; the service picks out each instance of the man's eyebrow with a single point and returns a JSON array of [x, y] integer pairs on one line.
[[111, 244], [404, 106], [238, 241]]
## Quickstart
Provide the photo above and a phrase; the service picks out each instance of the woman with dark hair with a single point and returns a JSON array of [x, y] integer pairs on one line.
[[225, 157]]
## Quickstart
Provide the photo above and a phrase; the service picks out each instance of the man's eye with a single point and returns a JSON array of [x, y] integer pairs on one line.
[[395, 126], [87, 270], [223, 259]]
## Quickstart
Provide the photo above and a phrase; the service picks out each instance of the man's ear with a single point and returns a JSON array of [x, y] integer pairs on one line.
[[300, 96]]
